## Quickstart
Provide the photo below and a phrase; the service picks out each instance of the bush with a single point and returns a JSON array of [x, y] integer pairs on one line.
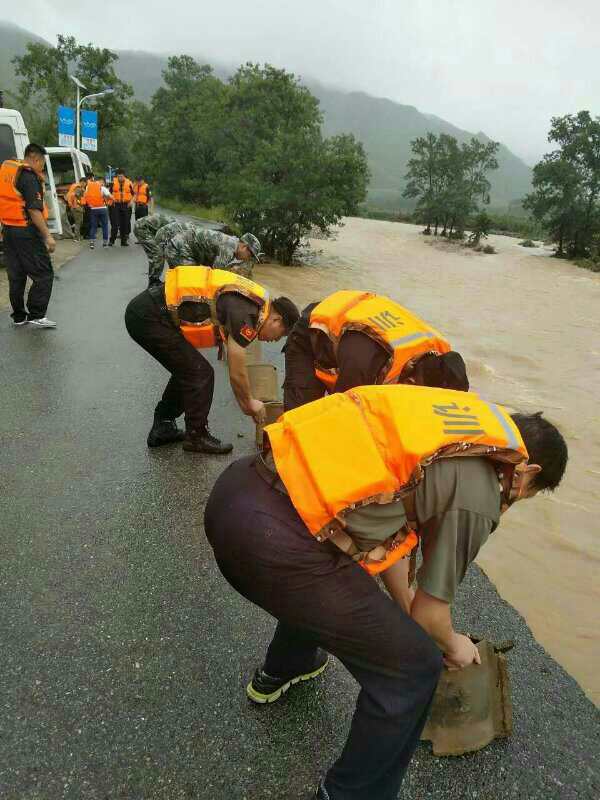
[[489, 250], [588, 263], [528, 243]]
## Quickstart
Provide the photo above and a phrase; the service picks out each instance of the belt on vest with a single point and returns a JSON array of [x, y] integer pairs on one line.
[[269, 475]]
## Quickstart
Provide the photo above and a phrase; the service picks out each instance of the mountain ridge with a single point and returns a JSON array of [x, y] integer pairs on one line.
[[386, 127]]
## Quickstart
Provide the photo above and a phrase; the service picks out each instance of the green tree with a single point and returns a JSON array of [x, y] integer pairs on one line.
[[449, 181], [566, 185], [282, 179], [45, 84], [180, 142]]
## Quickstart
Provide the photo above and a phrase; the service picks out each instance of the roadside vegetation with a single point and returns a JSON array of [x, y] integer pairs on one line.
[[249, 151]]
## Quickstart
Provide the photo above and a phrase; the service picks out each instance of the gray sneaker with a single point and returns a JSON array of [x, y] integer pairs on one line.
[[44, 322]]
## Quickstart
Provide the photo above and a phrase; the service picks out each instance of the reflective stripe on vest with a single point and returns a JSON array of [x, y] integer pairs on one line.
[[122, 192], [206, 285], [93, 195], [140, 191], [12, 203], [402, 334], [372, 443]]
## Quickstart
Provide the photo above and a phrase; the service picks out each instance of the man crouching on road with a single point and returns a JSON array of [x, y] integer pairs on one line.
[[197, 308], [345, 488], [208, 248]]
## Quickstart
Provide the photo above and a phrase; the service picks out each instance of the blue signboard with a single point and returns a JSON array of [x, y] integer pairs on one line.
[[66, 127], [89, 130]]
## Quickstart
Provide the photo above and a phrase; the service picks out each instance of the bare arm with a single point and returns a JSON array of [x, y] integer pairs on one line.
[[240, 383], [434, 617], [37, 218], [395, 579]]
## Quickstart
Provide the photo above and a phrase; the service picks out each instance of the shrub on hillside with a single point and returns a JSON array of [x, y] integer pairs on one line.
[[528, 243]]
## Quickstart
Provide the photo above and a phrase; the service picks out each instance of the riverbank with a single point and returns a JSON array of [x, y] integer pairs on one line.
[[527, 325]]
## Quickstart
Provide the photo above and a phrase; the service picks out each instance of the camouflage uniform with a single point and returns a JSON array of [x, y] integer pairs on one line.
[[161, 240], [145, 230], [201, 247]]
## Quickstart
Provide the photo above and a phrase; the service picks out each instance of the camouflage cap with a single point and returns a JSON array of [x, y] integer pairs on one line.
[[253, 243]]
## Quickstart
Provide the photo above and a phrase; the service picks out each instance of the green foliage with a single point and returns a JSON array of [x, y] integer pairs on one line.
[[179, 138], [566, 182], [449, 180], [218, 213], [528, 243], [45, 84], [253, 145], [480, 228]]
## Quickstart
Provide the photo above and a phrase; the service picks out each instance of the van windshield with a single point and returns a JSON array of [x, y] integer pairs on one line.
[[63, 171], [7, 143]]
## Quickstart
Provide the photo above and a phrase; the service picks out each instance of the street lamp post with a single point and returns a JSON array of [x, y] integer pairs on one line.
[[82, 100]]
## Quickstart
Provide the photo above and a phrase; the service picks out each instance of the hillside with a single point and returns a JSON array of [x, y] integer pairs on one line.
[[386, 128]]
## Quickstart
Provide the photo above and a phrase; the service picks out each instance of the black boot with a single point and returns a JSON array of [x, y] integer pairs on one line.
[[202, 442], [164, 431]]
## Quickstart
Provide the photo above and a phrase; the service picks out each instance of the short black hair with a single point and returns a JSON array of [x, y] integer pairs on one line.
[[546, 447], [287, 309], [447, 371], [33, 149]]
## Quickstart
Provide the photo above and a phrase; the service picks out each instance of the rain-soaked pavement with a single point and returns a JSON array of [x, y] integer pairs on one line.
[[125, 653]]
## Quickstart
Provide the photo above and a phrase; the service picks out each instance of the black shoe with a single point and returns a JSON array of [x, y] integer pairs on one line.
[[111, 244], [164, 431], [265, 688], [203, 442], [124, 244], [91, 245]]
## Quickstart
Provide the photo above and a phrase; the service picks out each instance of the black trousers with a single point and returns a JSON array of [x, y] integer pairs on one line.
[[27, 257], [191, 386], [323, 599], [85, 223], [301, 385], [120, 222], [141, 210]]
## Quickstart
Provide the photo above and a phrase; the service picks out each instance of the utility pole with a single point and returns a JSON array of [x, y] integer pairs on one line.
[[81, 100]]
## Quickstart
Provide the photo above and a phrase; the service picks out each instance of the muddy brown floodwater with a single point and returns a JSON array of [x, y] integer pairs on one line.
[[529, 328]]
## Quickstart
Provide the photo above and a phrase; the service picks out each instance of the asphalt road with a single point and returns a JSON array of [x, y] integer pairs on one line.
[[125, 653]]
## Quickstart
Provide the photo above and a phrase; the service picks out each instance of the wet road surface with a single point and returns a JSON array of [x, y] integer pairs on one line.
[[125, 653]]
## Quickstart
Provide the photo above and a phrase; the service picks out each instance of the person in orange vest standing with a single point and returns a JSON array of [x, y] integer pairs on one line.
[[345, 489], [27, 240], [122, 193], [356, 338], [97, 198], [75, 206], [141, 195]]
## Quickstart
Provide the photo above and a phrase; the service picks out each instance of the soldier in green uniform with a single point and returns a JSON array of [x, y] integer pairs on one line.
[[207, 248], [145, 230], [162, 238]]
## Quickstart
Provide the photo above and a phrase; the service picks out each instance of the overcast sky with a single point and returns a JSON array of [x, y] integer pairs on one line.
[[501, 67]]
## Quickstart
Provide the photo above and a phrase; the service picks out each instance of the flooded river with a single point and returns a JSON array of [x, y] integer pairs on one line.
[[529, 329]]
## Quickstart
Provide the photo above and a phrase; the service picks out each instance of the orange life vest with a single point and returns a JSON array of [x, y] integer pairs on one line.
[[371, 445], [12, 203], [93, 196], [403, 335], [206, 285], [140, 191], [122, 193], [73, 201]]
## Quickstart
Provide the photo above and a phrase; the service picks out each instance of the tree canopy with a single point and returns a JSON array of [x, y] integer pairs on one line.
[[449, 180], [566, 185]]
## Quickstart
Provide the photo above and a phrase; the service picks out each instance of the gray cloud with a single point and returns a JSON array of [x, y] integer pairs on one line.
[[501, 67]]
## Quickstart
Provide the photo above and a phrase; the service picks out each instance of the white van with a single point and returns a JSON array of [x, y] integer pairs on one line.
[[13, 141]]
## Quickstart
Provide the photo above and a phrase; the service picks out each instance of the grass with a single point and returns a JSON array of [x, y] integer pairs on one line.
[[217, 213]]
